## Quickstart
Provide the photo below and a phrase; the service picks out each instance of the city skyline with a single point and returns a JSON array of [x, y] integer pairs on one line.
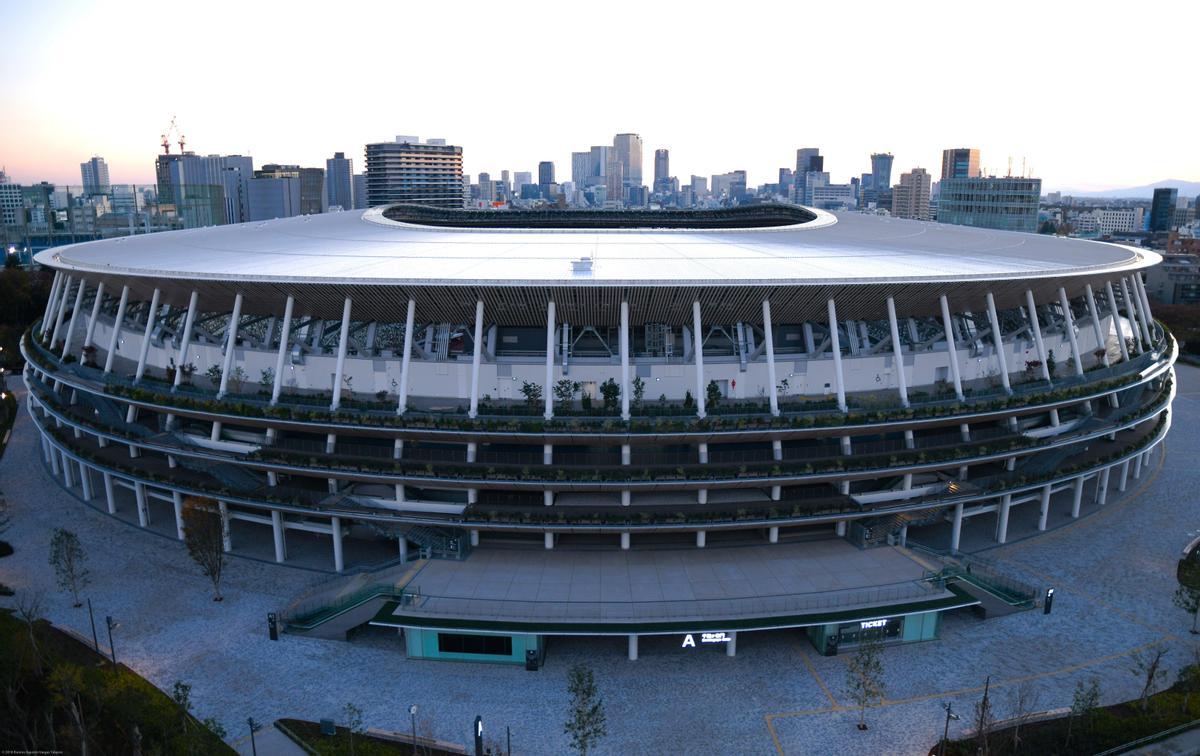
[[755, 126]]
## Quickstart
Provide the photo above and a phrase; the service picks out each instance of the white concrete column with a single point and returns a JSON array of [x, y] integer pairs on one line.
[[1076, 496], [956, 531], [1139, 288], [343, 345], [91, 324], [548, 391], [1137, 467], [731, 644], [51, 301], [1123, 481], [335, 529], [836, 344], [1116, 316], [402, 543], [474, 535], [1002, 515], [948, 329], [1101, 342], [177, 504], [150, 317], [277, 532], [698, 355], [1069, 326], [66, 348], [139, 493], [1037, 332], [633, 648], [115, 338], [185, 339], [285, 333], [897, 352], [406, 358], [68, 471], [1044, 514], [109, 497], [624, 348], [62, 311], [773, 534], [1134, 316], [1102, 487], [903, 535], [85, 480], [231, 345], [625, 541], [226, 535], [54, 461], [626, 497], [769, 340], [998, 342], [476, 355], [548, 539], [701, 539]]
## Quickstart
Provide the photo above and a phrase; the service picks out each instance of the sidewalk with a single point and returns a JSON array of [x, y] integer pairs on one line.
[[268, 741]]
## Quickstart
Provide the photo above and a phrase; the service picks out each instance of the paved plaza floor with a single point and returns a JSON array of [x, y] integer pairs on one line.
[[1113, 571]]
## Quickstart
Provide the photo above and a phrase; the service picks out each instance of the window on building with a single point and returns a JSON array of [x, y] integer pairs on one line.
[[459, 643]]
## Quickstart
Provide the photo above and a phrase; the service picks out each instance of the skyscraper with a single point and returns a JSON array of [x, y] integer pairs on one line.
[[1009, 203], [1162, 209], [599, 166], [95, 176], [408, 171], [339, 181], [628, 148], [313, 199], [910, 198], [960, 162], [881, 170], [360, 191], [808, 160], [581, 168], [545, 174], [662, 168], [203, 190]]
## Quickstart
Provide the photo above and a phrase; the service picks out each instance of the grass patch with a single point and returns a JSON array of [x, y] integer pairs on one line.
[[309, 733]]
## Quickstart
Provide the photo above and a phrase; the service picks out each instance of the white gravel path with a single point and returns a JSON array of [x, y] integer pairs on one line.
[[1114, 571]]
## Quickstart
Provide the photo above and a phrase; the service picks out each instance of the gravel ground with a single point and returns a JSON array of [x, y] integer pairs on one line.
[[1113, 571]]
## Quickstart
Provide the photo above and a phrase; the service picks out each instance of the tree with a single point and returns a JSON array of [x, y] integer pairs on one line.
[[639, 390], [181, 694], [532, 393], [688, 400], [204, 536], [712, 394], [1150, 671], [266, 378], [611, 393], [1188, 599], [68, 559], [1051, 365], [5, 520], [565, 390], [214, 374], [1189, 679], [586, 722], [1023, 703], [864, 676], [65, 683], [354, 723], [985, 719], [1083, 704]]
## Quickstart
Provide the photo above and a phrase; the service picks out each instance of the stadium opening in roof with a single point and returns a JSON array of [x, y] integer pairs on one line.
[[439, 383]]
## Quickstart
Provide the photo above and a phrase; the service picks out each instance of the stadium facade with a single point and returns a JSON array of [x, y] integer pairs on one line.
[[439, 381]]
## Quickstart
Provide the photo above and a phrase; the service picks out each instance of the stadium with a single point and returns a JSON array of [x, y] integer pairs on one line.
[[515, 425]]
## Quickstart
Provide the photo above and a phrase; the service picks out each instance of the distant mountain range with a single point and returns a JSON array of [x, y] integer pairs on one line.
[[1186, 189]]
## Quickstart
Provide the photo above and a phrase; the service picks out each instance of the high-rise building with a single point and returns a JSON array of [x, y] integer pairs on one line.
[[203, 190], [273, 195], [662, 168], [910, 198], [545, 177], [1162, 209], [628, 148], [881, 179], [960, 162], [600, 161], [360, 191], [313, 198], [808, 160], [614, 179], [408, 171], [339, 181], [95, 176], [1008, 203], [730, 185], [699, 186], [581, 168]]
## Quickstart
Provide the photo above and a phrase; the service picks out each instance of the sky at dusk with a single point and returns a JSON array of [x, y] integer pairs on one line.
[[1089, 96]]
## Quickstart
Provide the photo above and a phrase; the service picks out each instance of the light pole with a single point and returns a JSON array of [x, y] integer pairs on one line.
[[949, 707], [478, 735], [92, 617], [254, 727], [108, 620], [412, 712]]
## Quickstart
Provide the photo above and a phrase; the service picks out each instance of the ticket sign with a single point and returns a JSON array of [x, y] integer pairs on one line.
[[870, 624], [689, 640]]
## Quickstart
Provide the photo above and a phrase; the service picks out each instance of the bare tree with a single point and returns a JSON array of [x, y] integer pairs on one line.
[[1148, 667], [586, 721], [1023, 702], [204, 536], [29, 606], [1083, 703], [1188, 599], [68, 559], [864, 676], [985, 718], [354, 722]]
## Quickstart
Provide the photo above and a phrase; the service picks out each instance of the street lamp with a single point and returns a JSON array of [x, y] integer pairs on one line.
[[478, 735], [108, 620], [254, 727], [949, 707], [412, 712], [92, 617]]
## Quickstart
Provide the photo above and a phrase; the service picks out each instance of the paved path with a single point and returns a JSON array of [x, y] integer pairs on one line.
[[268, 741], [1113, 570]]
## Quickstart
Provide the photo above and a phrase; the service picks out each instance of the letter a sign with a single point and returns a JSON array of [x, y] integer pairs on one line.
[[689, 641]]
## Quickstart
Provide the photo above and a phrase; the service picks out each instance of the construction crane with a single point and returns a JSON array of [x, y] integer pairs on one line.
[[166, 137]]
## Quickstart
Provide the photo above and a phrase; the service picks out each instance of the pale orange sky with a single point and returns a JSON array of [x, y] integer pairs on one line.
[[1091, 95]]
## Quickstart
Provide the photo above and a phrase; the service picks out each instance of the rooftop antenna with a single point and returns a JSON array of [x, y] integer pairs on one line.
[[1009, 174], [1023, 174]]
